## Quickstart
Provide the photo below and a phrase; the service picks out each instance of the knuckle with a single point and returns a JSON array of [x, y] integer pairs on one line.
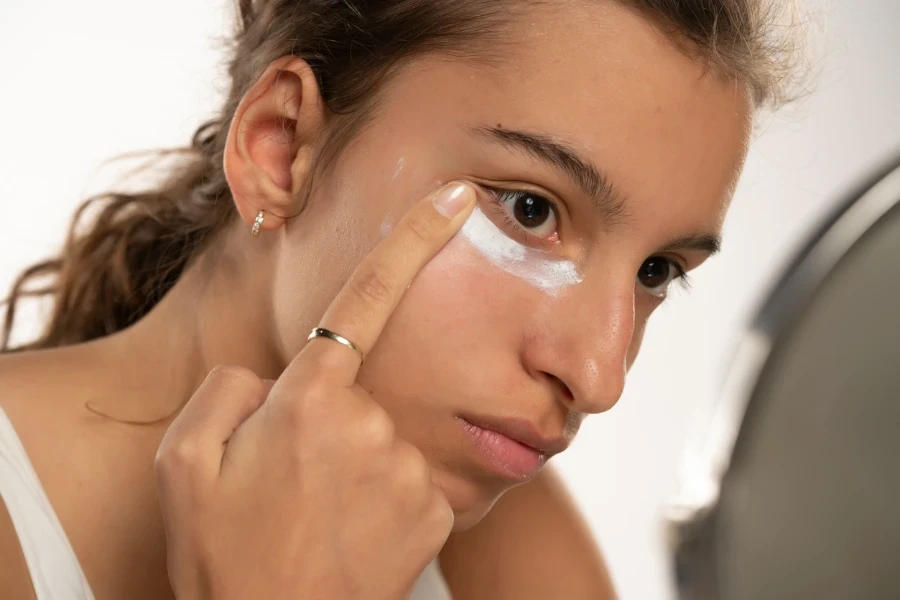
[[186, 453], [161, 464], [177, 456], [422, 228], [310, 412], [318, 388], [413, 471], [321, 373], [441, 515], [373, 286], [295, 415], [317, 401], [311, 404], [379, 429], [234, 372], [324, 366], [233, 378]]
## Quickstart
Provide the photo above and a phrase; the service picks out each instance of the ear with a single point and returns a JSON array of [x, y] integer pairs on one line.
[[270, 146]]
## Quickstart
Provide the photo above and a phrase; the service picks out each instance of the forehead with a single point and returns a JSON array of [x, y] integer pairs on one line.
[[670, 134]]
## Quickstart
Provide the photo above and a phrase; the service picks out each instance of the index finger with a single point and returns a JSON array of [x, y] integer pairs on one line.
[[361, 309]]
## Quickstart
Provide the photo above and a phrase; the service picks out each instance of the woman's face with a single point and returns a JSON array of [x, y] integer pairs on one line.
[[604, 162]]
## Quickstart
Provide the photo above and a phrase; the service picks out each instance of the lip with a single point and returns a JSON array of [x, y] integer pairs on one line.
[[522, 431], [511, 448]]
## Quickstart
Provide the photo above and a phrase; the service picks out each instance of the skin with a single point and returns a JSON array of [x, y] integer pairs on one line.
[[466, 337]]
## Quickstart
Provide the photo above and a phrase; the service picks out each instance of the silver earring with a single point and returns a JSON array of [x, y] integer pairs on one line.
[[254, 231]]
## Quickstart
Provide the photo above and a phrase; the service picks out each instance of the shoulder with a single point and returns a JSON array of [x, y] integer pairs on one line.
[[27, 378], [44, 403], [44, 394], [36, 396], [90, 468]]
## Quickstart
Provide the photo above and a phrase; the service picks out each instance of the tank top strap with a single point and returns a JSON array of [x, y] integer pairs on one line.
[[52, 564]]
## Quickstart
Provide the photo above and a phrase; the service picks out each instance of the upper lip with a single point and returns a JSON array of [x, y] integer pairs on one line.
[[523, 431]]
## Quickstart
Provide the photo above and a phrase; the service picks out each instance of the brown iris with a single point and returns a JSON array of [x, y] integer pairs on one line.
[[655, 272], [531, 211]]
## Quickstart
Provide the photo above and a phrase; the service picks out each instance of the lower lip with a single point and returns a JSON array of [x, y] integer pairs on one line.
[[502, 455]]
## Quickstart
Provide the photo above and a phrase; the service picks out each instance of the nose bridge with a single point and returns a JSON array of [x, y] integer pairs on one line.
[[596, 332]]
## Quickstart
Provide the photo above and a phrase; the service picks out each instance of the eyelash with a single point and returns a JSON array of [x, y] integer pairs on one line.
[[681, 277], [499, 195]]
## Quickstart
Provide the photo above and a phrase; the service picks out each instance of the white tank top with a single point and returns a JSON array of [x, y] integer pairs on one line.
[[52, 564]]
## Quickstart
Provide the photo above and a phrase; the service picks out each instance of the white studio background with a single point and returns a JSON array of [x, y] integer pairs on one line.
[[83, 81]]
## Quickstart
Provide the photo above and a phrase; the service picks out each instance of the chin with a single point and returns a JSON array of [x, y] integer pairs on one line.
[[470, 500], [468, 517]]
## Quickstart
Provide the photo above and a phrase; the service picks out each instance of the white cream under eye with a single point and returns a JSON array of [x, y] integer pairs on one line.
[[540, 268]]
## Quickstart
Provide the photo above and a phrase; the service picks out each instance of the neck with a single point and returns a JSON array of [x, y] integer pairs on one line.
[[219, 312]]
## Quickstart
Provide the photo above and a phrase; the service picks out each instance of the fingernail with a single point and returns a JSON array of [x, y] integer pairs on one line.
[[452, 199]]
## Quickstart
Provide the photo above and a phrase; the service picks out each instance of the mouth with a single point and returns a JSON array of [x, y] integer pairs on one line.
[[511, 448]]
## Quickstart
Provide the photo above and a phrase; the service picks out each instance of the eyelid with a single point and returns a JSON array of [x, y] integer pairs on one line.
[[677, 261], [682, 270], [682, 277], [555, 200], [555, 205]]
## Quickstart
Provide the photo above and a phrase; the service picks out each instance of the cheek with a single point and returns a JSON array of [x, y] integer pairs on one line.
[[643, 311], [468, 298], [635, 346], [459, 324]]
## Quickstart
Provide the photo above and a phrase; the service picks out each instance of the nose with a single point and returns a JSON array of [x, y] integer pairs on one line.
[[584, 344]]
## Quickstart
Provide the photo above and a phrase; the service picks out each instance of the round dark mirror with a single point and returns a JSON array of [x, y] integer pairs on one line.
[[795, 495]]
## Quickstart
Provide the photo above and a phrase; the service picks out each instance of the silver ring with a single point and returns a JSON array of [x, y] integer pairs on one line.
[[322, 332]]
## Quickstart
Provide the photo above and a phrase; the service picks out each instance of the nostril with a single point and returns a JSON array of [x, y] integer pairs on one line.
[[560, 385]]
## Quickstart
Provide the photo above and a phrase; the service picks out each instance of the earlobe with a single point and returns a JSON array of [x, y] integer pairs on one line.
[[268, 152]]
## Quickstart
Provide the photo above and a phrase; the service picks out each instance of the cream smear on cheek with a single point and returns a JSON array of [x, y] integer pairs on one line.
[[389, 220], [386, 225], [541, 269]]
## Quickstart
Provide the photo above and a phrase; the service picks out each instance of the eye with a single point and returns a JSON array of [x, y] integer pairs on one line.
[[528, 212], [657, 273]]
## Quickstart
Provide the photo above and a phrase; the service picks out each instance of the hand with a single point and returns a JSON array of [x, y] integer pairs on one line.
[[300, 488]]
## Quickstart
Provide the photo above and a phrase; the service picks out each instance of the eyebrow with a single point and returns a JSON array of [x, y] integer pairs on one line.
[[710, 244], [593, 183]]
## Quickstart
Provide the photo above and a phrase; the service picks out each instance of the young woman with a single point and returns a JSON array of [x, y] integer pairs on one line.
[[475, 206]]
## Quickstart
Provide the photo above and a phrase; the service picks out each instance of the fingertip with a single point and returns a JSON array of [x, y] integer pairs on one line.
[[453, 198]]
